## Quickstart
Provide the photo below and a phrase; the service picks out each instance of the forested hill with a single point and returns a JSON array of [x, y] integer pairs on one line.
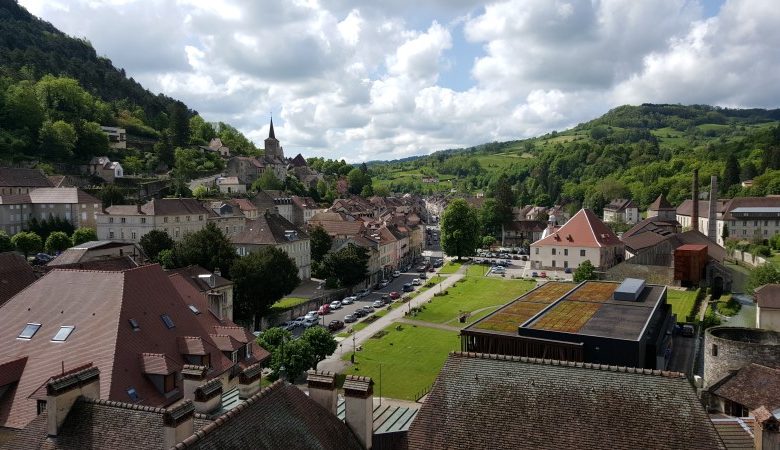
[[632, 151], [32, 48]]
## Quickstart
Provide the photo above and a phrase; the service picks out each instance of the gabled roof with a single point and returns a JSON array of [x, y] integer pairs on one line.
[[686, 207], [620, 204], [752, 386], [15, 275], [100, 305], [582, 230], [198, 277], [66, 195], [278, 416], [299, 161], [268, 229], [493, 401], [767, 296], [660, 204], [26, 178]]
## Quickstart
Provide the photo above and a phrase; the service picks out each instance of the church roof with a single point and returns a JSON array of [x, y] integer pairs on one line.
[[271, 134]]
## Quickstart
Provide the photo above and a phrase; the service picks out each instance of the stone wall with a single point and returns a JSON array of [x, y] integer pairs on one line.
[[301, 310], [728, 349]]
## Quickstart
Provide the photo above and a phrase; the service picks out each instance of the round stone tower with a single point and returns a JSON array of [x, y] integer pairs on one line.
[[728, 349]]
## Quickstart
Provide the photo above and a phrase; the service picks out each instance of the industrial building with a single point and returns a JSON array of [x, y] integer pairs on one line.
[[625, 324]]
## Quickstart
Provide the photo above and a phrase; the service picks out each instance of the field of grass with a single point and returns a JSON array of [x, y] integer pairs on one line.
[[411, 359], [728, 306], [450, 267], [288, 302], [477, 270], [471, 294], [682, 302]]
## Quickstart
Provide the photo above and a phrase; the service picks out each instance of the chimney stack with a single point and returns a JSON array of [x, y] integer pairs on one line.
[[192, 377], [249, 381], [179, 423], [359, 401], [62, 393], [322, 389], [695, 215], [208, 396], [766, 428], [711, 214]]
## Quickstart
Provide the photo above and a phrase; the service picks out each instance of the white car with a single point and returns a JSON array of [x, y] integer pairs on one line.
[[396, 274], [347, 301], [335, 304], [311, 315], [416, 282], [308, 323]]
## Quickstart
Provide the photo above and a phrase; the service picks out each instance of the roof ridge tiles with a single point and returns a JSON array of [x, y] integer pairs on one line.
[[123, 405], [555, 362]]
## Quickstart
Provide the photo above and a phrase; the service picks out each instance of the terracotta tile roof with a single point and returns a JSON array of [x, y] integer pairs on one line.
[[238, 333], [268, 229], [225, 342], [100, 306], [192, 345], [582, 230], [661, 204], [280, 413], [158, 364], [244, 204], [13, 177], [481, 401], [113, 264], [196, 274], [752, 386], [11, 371], [15, 275], [768, 296]]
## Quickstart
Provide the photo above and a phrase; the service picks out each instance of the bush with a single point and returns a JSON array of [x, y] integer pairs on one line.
[[761, 250]]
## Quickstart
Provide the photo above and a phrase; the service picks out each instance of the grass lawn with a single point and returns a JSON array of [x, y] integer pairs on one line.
[[477, 270], [471, 294], [450, 267], [728, 306], [410, 359], [288, 302], [682, 302]]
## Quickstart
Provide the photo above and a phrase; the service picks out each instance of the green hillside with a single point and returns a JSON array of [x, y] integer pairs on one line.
[[636, 151]]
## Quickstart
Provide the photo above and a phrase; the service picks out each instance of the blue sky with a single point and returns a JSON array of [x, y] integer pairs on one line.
[[383, 80]]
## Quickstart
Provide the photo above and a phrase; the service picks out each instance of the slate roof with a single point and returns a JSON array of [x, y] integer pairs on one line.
[[192, 274], [533, 226], [15, 177], [15, 275], [490, 401], [767, 296], [278, 414], [585, 229], [620, 204], [752, 386], [100, 305], [661, 204], [66, 195], [268, 229]]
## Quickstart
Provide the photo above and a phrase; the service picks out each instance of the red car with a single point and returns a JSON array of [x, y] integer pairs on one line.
[[324, 309], [395, 295], [543, 274]]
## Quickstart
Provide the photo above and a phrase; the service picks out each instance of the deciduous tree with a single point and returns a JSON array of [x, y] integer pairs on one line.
[[320, 243], [5, 242], [154, 242], [322, 344], [82, 235], [349, 265], [27, 242], [459, 229], [57, 242], [585, 271], [208, 248]]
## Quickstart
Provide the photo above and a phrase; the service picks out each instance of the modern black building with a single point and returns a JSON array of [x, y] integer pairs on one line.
[[624, 324]]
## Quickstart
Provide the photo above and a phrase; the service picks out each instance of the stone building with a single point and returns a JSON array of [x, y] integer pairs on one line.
[[271, 229], [728, 349], [71, 204], [175, 216], [21, 181]]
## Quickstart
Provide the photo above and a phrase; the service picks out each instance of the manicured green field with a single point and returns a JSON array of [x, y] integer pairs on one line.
[[472, 294], [682, 302], [450, 267], [411, 359]]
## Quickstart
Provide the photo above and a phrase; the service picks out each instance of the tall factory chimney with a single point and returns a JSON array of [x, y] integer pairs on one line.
[[711, 219], [695, 214]]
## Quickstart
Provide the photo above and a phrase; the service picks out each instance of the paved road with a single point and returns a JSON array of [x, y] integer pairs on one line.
[[334, 363]]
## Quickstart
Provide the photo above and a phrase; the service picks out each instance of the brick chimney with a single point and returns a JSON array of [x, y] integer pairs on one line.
[[322, 389], [192, 377], [695, 194], [62, 393], [249, 381], [766, 429], [711, 214], [359, 402], [178, 423], [208, 396]]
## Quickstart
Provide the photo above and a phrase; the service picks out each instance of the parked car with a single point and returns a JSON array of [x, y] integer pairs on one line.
[[395, 295], [543, 275], [335, 325], [368, 309], [396, 274], [423, 276], [360, 313], [383, 284], [310, 314], [324, 309], [308, 323], [567, 270], [438, 263], [298, 321], [378, 304], [362, 293], [687, 330], [349, 318], [407, 287], [524, 257], [386, 299], [534, 274], [416, 282], [41, 259], [422, 268], [431, 270], [335, 304], [348, 300]]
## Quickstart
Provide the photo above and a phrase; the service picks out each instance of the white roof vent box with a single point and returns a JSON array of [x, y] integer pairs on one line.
[[629, 290]]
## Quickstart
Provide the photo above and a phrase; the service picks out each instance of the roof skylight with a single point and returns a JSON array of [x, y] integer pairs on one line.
[[194, 309], [133, 394], [63, 334], [134, 324], [29, 330], [167, 320]]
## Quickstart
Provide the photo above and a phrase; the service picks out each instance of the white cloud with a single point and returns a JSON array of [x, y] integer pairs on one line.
[[363, 80]]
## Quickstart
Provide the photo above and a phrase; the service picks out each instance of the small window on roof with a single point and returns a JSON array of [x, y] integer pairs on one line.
[[194, 309], [29, 330], [63, 334], [134, 324], [167, 320], [133, 394]]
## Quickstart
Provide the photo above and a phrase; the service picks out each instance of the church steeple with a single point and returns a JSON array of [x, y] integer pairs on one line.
[[271, 134]]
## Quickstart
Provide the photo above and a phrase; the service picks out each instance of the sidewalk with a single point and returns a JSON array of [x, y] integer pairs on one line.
[[333, 363]]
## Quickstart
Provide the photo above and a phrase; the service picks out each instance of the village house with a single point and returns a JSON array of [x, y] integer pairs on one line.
[[768, 307], [141, 328], [92, 251], [662, 210], [304, 208], [175, 216], [103, 167], [583, 237], [520, 233], [621, 210], [70, 204], [21, 181], [228, 218], [117, 137], [271, 229], [230, 185]]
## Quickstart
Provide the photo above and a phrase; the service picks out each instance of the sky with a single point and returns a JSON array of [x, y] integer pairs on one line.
[[378, 80]]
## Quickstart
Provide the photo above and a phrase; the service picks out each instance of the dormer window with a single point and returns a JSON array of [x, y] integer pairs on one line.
[[63, 334], [29, 331]]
